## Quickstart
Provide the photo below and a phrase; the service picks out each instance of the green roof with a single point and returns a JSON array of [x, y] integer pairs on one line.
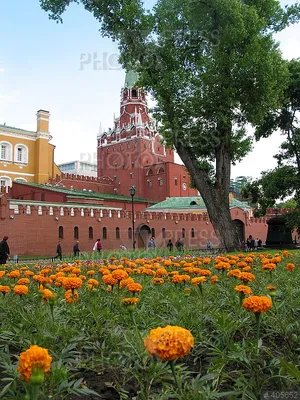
[[190, 203], [14, 128], [131, 79], [85, 194]]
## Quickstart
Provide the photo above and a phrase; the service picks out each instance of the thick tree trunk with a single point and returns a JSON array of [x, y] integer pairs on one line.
[[215, 196]]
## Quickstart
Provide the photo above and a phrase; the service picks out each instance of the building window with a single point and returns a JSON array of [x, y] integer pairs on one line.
[[160, 182], [72, 212], [160, 170], [104, 233], [5, 151], [117, 233], [183, 233], [21, 154], [129, 233], [131, 175], [61, 213], [150, 172], [149, 183], [164, 233], [50, 210], [28, 210], [60, 232], [193, 233], [153, 232], [40, 210], [91, 233], [175, 182], [76, 232], [134, 93], [5, 181]]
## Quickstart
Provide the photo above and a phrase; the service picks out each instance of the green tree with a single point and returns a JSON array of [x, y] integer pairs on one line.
[[212, 66], [284, 180]]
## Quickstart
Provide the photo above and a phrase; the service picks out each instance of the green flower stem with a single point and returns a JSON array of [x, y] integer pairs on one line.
[[134, 323], [242, 296], [52, 310], [172, 366], [257, 317], [35, 392]]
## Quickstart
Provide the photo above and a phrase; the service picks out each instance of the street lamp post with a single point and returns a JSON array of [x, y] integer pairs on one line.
[[132, 191]]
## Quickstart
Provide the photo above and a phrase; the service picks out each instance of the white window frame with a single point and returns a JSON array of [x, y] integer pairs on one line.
[[7, 180], [8, 150], [24, 157]]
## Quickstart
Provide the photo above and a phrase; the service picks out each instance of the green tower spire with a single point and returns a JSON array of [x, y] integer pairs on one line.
[[131, 78]]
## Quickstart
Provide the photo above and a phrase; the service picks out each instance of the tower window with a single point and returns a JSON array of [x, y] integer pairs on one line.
[[60, 232], [175, 181], [131, 175], [91, 233], [76, 232], [164, 233], [134, 93], [129, 233], [193, 232], [117, 233], [149, 183], [183, 233], [160, 182]]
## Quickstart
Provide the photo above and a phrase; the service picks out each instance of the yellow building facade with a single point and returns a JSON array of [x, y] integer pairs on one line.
[[27, 155]]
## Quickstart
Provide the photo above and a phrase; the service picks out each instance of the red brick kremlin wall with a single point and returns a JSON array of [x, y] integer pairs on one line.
[[37, 233]]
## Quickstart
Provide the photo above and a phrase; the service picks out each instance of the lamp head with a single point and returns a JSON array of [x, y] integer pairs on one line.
[[132, 191]]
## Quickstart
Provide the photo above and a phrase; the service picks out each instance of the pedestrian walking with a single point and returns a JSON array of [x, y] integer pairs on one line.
[[4, 250], [58, 251], [170, 245], [76, 249]]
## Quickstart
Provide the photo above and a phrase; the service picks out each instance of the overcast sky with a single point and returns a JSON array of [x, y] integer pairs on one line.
[[70, 70]]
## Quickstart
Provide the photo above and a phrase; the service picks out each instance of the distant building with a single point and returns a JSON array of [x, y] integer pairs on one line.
[[27, 156], [238, 183], [79, 168]]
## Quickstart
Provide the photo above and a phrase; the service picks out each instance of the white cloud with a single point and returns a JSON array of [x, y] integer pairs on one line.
[[2, 70]]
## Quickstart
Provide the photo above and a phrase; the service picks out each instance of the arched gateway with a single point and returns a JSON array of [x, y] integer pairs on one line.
[[143, 232], [240, 227]]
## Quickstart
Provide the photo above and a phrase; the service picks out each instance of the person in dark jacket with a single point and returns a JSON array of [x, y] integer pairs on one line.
[[170, 245], [4, 250], [76, 250], [58, 251]]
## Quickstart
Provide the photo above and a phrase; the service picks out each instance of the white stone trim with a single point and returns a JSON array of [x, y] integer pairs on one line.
[[15, 173], [20, 135]]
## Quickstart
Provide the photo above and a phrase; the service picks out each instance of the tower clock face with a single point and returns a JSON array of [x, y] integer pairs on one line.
[[184, 186]]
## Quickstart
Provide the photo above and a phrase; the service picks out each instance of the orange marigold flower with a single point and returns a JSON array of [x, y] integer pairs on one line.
[[109, 280], [184, 278], [167, 263], [203, 272], [234, 272], [246, 277], [119, 274], [23, 281], [45, 271], [222, 265], [14, 274], [271, 287], [34, 359], [91, 272], [269, 267], [206, 260], [169, 343], [21, 289], [161, 272], [2, 273], [243, 289], [71, 283], [71, 297], [214, 279], [76, 271], [176, 279], [130, 301], [124, 282], [48, 295], [197, 281], [290, 267], [158, 281], [257, 304], [93, 282], [134, 287], [241, 264], [4, 289]]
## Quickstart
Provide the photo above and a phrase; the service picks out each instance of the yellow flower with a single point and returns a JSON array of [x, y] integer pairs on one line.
[[169, 343], [34, 359], [257, 304]]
